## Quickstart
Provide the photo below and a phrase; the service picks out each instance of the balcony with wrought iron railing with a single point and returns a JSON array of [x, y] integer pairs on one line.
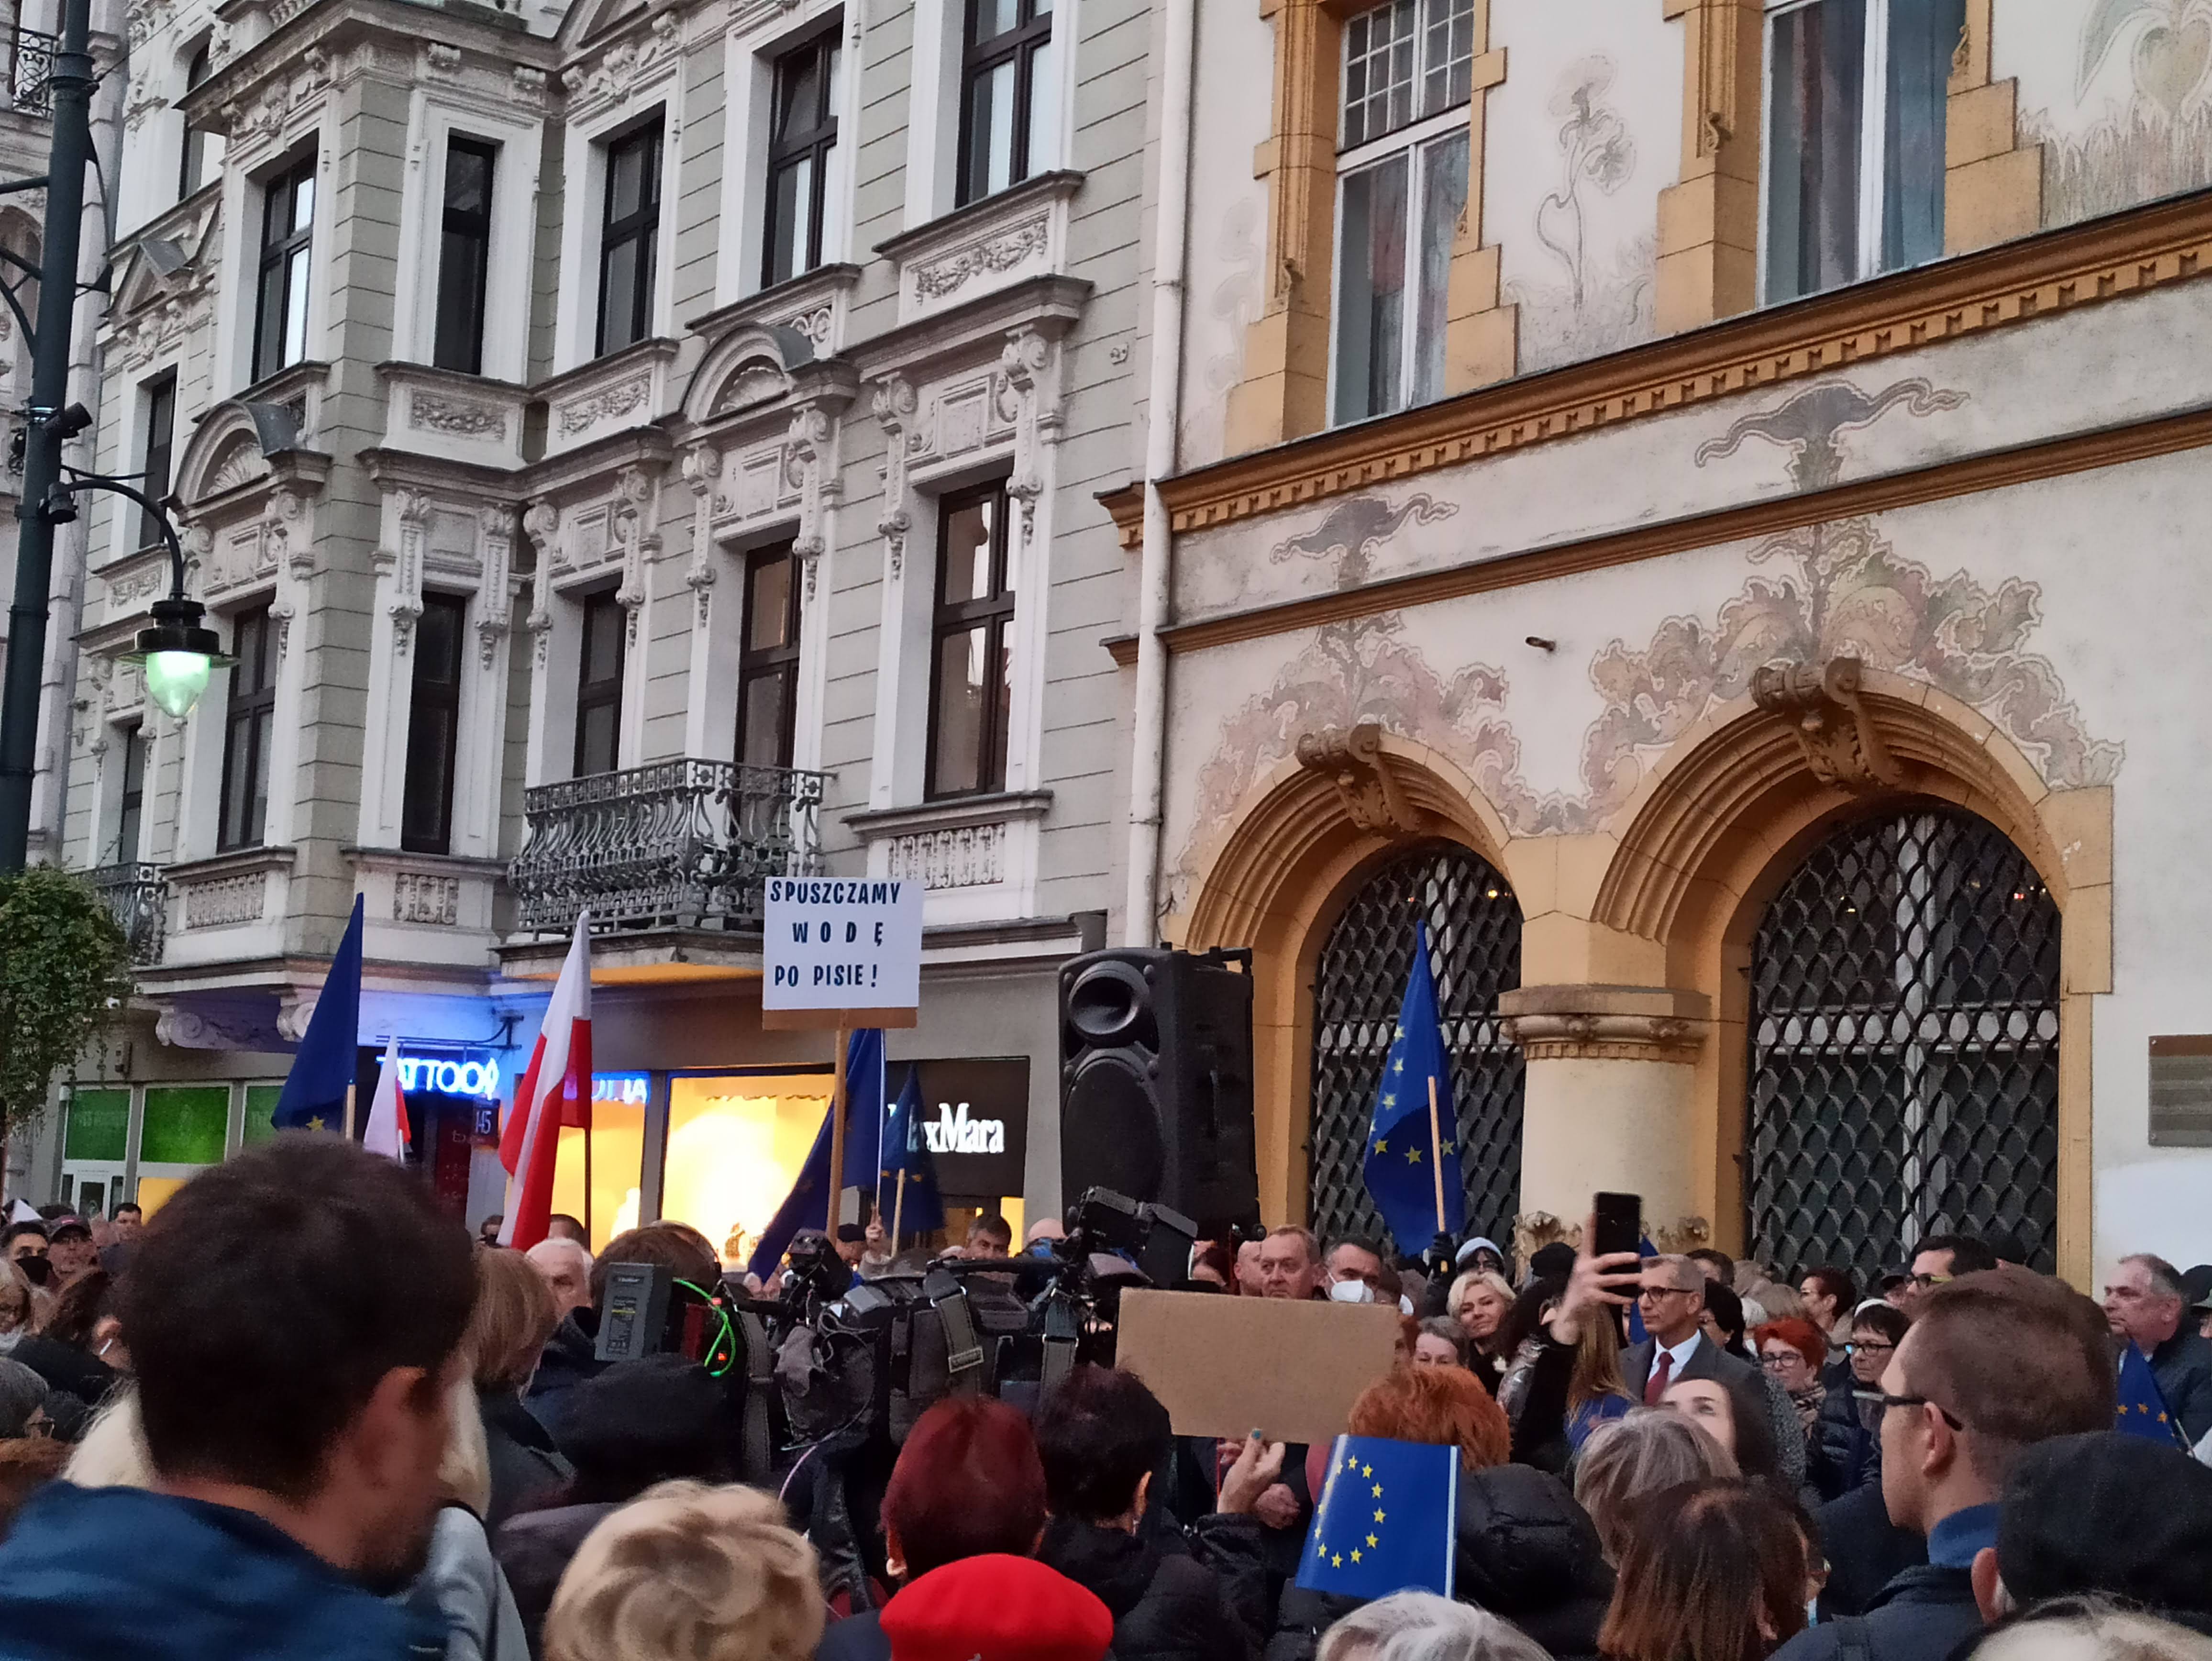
[[681, 844], [30, 87], [138, 896]]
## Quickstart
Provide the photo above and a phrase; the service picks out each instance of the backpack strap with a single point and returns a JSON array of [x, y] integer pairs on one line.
[[1851, 1639]]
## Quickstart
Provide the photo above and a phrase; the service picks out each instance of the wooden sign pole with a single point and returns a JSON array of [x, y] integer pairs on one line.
[[348, 1114], [1436, 1151], [838, 1131]]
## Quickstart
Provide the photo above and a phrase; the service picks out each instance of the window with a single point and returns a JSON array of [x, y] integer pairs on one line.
[[971, 669], [1006, 63], [630, 234], [768, 666], [247, 733], [1854, 123], [159, 407], [1402, 185], [464, 255], [191, 164], [600, 687], [426, 815], [288, 217], [802, 146], [133, 796]]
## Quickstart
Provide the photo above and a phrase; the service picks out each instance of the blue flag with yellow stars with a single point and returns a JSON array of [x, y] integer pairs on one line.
[[1386, 1519], [2143, 1404], [1402, 1157]]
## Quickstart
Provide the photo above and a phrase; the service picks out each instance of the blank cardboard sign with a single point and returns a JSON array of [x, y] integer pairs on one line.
[[1223, 1366]]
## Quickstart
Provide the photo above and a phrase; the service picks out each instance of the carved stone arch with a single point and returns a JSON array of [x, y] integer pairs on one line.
[[1727, 815], [587, 22], [234, 445], [747, 368], [1276, 879]]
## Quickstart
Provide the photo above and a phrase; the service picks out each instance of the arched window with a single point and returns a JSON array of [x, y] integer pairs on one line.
[[1474, 945], [1903, 1032]]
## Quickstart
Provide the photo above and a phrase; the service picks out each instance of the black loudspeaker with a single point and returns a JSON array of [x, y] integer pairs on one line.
[[1156, 1080]]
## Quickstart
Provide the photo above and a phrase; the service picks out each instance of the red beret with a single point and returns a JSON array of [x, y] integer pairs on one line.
[[996, 1608]]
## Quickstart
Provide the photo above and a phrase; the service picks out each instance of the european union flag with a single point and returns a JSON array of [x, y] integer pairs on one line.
[[1386, 1520], [1403, 1157], [2141, 1404], [808, 1202], [914, 1205], [314, 1094]]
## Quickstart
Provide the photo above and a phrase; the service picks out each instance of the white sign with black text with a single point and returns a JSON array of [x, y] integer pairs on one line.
[[834, 943]]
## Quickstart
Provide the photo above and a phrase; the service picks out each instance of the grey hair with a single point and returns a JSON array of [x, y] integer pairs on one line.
[[1684, 1271], [1646, 1449], [1420, 1626], [22, 1393], [2091, 1629], [2165, 1278]]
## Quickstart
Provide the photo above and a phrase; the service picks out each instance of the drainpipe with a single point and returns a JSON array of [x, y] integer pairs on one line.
[[1148, 754]]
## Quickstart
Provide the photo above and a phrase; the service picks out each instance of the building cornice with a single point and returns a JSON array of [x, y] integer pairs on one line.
[[2019, 282]]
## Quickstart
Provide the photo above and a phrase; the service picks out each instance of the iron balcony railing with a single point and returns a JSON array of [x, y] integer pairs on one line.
[[138, 896], [31, 70], [683, 844]]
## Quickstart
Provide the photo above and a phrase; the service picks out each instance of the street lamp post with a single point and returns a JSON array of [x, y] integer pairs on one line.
[[178, 651], [71, 83]]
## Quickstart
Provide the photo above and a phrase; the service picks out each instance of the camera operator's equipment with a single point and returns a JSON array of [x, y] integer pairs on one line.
[[1156, 1080], [634, 1320]]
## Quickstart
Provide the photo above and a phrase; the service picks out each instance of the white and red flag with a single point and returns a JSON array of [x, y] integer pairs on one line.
[[387, 1131], [557, 1091]]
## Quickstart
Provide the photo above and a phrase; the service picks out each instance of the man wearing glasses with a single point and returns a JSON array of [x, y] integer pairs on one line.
[[1671, 1296], [1993, 1364], [1938, 1259]]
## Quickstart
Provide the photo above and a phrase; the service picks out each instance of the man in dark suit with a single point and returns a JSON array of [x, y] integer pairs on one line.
[[1672, 1299]]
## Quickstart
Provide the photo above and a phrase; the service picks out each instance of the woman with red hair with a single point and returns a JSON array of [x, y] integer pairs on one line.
[[962, 1514], [1792, 1351]]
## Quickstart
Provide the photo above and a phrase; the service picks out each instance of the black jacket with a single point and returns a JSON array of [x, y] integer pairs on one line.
[[1865, 1550], [567, 1361], [1920, 1615], [525, 1465], [1526, 1551], [1843, 1453], [2183, 1366], [66, 1367], [533, 1551], [1199, 1597]]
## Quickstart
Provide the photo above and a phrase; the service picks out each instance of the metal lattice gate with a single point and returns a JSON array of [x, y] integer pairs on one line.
[[1474, 952], [1904, 1031]]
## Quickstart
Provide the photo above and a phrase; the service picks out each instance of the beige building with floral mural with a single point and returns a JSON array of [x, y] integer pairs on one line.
[[1699, 501]]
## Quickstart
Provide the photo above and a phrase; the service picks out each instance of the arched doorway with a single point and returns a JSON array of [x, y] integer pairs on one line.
[[1904, 1047], [1474, 943]]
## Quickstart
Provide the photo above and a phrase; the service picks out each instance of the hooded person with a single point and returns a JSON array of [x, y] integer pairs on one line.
[[295, 1317], [1200, 1593], [569, 1357], [1523, 1549]]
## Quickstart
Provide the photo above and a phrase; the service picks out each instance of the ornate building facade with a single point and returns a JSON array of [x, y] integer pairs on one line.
[[1694, 500], [629, 451]]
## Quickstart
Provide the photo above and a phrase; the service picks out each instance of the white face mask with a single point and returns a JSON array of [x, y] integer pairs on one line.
[[1351, 1292]]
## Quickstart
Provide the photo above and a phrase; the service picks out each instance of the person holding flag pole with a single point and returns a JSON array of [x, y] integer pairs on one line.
[[1408, 1150], [555, 1090]]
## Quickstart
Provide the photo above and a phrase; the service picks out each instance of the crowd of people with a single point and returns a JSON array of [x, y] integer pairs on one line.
[[301, 1414]]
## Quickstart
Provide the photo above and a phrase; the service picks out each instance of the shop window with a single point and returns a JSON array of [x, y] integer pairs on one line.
[[736, 1143], [185, 1125], [248, 731], [629, 237], [802, 154], [1402, 184], [971, 669], [464, 254], [98, 1126], [616, 1168], [288, 219], [768, 668], [433, 722], [132, 808], [158, 406], [1856, 104], [1005, 93], [600, 687], [260, 1113]]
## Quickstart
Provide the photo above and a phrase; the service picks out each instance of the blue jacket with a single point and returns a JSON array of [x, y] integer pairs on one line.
[[90, 1573]]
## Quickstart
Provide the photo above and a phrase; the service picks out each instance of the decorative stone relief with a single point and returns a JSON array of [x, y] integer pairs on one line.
[[815, 324], [632, 530], [223, 902], [958, 857], [494, 594], [429, 412], [1354, 764], [416, 509], [894, 404], [607, 403], [1001, 251], [811, 470], [419, 896], [1026, 362], [702, 466], [623, 66], [1835, 734]]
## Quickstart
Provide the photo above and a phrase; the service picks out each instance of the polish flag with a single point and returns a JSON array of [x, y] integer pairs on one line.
[[387, 1131], [555, 1091]]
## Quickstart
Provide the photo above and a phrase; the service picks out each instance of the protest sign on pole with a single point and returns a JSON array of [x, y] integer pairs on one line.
[[1175, 1341], [839, 953]]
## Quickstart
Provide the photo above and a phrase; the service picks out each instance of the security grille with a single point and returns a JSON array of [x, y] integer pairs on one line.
[[1474, 947], [1903, 1047]]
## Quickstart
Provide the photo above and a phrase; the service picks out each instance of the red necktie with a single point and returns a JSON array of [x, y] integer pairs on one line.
[[1655, 1385]]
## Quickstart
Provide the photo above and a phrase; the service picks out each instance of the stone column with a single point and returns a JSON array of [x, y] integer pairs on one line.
[[1610, 1101]]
